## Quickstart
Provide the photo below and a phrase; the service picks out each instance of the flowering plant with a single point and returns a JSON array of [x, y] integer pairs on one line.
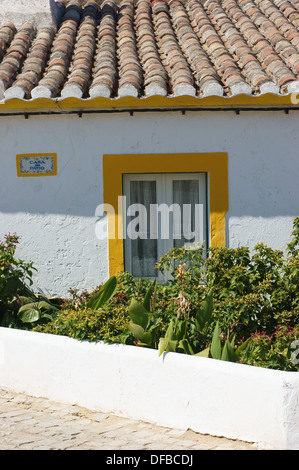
[[15, 279]]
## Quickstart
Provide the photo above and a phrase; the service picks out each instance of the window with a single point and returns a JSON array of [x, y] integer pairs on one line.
[[213, 165], [161, 211]]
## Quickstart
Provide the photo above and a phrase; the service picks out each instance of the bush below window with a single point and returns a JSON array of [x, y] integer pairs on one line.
[[255, 299]]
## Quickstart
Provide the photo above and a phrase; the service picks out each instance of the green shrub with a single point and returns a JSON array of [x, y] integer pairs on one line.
[[255, 300], [105, 324], [15, 282], [90, 319], [252, 291], [20, 307], [274, 351]]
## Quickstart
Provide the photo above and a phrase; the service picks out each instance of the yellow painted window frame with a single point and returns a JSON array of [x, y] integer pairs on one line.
[[114, 166]]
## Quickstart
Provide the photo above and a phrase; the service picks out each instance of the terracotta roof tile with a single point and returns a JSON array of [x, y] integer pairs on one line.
[[129, 67], [7, 32], [155, 75], [34, 65], [205, 74], [16, 53], [79, 78], [115, 48], [105, 65], [180, 76]]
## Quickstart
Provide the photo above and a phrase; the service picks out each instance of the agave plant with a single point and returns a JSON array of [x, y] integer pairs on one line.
[[224, 353], [176, 337], [143, 325]]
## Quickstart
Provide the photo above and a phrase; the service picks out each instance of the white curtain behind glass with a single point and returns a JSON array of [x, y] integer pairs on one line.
[[144, 249], [186, 195]]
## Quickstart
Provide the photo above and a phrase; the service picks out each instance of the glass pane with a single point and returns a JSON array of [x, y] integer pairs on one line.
[[186, 195], [142, 238]]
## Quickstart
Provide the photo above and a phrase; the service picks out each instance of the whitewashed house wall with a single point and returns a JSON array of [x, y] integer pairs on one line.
[[55, 215]]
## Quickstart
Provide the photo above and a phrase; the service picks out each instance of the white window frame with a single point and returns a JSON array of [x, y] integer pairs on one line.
[[164, 182]]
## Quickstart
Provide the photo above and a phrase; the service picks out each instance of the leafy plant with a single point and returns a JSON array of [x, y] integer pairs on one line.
[[176, 337], [19, 305], [106, 324], [179, 331], [104, 295], [15, 281], [144, 325], [207, 308], [14, 272], [224, 353], [35, 311], [192, 256], [273, 351]]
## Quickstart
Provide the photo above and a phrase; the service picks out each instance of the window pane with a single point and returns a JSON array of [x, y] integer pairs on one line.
[[186, 195], [163, 211], [142, 239]]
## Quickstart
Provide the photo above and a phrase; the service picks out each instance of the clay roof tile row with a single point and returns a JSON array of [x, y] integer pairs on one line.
[[115, 48]]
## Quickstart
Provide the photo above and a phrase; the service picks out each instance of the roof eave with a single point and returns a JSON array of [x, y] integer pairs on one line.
[[267, 101]]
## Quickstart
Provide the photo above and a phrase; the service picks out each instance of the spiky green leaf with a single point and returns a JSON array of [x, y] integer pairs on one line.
[[105, 293], [204, 353], [228, 354], [204, 313], [148, 296], [139, 314], [216, 343]]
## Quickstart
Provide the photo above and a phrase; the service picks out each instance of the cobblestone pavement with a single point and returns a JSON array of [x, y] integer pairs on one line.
[[28, 423]]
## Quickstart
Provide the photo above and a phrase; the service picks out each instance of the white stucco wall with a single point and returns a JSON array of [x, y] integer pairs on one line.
[[39, 12], [55, 216]]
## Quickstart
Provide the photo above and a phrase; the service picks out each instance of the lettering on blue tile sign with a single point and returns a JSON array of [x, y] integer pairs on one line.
[[36, 165]]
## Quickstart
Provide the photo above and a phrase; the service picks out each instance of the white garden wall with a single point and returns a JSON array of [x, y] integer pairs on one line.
[[208, 396], [55, 215]]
